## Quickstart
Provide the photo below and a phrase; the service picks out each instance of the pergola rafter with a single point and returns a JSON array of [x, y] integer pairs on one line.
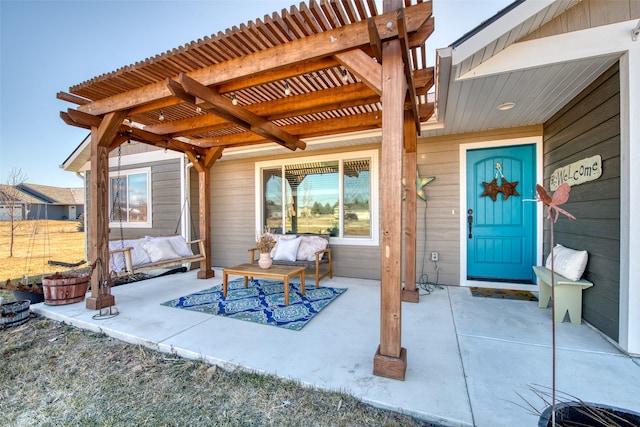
[[325, 68]]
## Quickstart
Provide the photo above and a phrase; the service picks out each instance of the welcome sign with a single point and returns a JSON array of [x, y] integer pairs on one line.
[[579, 172]]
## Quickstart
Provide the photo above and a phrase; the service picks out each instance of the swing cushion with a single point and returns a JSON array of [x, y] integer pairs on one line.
[[159, 250], [138, 255]]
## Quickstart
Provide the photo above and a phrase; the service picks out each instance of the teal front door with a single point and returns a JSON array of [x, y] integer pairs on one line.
[[501, 232]]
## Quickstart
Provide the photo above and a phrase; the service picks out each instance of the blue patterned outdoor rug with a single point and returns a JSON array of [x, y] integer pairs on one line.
[[262, 302]]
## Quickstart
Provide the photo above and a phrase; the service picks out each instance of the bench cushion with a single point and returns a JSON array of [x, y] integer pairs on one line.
[[138, 255], [567, 262]]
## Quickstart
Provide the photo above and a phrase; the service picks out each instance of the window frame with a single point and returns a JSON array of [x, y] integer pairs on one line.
[[125, 174], [371, 155]]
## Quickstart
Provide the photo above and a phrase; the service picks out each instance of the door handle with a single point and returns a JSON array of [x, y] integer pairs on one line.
[[470, 221]]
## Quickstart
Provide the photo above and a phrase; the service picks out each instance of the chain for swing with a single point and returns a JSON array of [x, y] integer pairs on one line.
[[117, 203]]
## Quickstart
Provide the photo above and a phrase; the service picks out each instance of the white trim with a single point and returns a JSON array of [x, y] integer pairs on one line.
[[125, 173], [613, 39], [373, 201], [629, 305], [537, 140], [138, 158], [147, 157], [502, 25]]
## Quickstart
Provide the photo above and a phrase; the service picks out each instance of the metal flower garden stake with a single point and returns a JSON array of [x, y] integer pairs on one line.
[[552, 203]]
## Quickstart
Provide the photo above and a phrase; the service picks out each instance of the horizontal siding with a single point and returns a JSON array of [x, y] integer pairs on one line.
[[587, 126], [588, 14], [165, 200]]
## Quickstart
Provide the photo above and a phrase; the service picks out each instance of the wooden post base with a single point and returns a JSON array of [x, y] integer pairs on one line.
[[410, 295], [390, 367], [206, 274], [101, 301]]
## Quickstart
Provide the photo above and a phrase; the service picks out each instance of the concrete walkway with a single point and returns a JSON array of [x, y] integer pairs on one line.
[[469, 359]]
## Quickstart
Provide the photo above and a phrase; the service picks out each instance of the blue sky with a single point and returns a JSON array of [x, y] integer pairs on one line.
[[48, 46]]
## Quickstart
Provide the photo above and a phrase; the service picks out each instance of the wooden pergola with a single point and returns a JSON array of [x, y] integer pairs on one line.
[[323, 68]]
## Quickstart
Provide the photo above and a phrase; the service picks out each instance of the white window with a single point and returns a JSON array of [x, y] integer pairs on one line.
[[330, 194], [130, 198]]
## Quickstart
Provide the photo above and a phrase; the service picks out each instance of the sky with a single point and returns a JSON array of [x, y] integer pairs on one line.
[[48, 46]]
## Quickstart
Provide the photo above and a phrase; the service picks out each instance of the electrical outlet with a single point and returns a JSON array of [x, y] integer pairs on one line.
[[434, 256]]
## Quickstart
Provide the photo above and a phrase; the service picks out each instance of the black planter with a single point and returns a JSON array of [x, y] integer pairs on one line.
[[589, 414], [33, 297]]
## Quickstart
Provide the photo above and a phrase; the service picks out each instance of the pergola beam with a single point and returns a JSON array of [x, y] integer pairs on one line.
[[362, 66], [292, 53], [307, 130], [408, 74], [314, 102], [221, 106]]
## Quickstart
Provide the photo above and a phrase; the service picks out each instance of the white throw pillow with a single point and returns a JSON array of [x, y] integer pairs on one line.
[[160, 250], [287, 249], [309, 246], [569, 263], [180, 246], [276, 238]]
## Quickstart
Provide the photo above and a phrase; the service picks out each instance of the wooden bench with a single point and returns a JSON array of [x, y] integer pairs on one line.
[[131, 267], [568, 294], [322, 258]]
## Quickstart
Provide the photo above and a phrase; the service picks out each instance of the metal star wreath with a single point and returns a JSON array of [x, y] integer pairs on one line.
[[507, 188]]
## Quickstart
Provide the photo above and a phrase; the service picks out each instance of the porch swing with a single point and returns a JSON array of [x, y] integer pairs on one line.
[[150, 253]]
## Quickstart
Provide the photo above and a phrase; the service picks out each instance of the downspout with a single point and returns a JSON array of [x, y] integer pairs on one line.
[[444, 58]]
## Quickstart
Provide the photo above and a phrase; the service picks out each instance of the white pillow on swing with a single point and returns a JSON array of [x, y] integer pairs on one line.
[[160, 250]]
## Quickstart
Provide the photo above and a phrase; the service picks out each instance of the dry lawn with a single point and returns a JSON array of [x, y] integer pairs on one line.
[[53, 374], [36, 242]]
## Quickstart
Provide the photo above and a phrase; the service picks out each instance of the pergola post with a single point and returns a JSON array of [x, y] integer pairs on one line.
[[410, 292], [390, 359], [99, 225], [204, 202]]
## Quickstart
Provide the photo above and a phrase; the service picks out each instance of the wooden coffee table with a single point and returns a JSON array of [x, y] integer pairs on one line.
[[282, 272]]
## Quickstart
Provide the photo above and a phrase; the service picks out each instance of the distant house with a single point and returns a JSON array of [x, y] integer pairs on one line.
[[33, 201]]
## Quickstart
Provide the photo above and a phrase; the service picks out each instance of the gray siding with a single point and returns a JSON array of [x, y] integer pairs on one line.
[[590, 125], [165, 200]]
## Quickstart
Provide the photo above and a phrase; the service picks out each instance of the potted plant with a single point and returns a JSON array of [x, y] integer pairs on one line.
[[265, 244]]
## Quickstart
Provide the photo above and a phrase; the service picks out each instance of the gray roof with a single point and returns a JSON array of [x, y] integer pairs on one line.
[[35, 193]]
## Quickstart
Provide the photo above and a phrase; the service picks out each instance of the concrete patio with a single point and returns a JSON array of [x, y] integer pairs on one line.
[[469, 358]]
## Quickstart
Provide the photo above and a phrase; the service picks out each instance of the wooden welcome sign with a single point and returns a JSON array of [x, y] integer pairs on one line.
[[576, 173]]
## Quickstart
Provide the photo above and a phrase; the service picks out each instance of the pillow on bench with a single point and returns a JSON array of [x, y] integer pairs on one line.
[[569, 263], [178, 243], [309, 246], [287, 249]]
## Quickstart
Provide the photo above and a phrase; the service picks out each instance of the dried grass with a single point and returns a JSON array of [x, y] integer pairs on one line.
[[55, 374], [35, 243]]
